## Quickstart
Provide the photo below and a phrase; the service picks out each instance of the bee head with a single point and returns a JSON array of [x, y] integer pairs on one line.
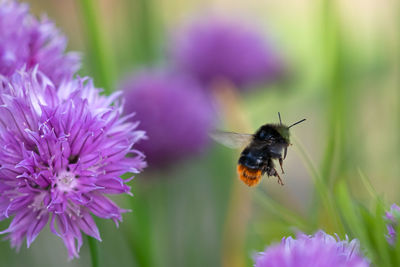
[[278, 132]]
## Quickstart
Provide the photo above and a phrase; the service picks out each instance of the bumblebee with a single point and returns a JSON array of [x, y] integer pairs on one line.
[[270, 142]]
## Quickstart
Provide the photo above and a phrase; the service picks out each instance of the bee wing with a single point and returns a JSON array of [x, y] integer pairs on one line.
[[231, 139]]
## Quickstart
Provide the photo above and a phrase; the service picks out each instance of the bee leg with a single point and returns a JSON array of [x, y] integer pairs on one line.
[[280, 163], [279, 178], [266, 170], [273, 172]]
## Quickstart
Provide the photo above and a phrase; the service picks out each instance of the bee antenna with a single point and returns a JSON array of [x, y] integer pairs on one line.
[[300, 121], [279, 115]]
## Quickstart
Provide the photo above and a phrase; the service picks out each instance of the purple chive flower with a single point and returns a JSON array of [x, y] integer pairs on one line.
[[392, 217], [173, 111], [61, 152], [216, 49], [25, 41], [319, 250]]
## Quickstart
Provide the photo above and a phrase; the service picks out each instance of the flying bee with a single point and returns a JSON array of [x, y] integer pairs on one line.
[[270, 142]]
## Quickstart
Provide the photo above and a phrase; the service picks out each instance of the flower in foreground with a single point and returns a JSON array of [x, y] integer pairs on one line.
[[392, 217], [216, 49], [319, 250], [173, 111], [25, 41], [61, 152]]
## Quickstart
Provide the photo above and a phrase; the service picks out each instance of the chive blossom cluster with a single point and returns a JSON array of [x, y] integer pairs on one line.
[[320, 249], [63, 145], [392, 217], [176, 115], [27, 41], [216, 49], [61, 151]]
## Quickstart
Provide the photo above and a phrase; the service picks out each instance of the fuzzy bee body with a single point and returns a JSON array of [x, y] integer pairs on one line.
[[252, 165], [269, 143]]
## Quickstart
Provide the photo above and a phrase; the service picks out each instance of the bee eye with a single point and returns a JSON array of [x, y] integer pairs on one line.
[[264, 135]]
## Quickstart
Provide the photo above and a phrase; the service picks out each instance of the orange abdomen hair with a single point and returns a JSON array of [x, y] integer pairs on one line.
[[251, 177]]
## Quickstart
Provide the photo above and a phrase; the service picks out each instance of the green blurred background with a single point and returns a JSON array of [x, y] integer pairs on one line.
[[343, 58]]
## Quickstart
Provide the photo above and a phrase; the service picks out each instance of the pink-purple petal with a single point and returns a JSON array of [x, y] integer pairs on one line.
[[88, 226], [35, 228], [392, 218]]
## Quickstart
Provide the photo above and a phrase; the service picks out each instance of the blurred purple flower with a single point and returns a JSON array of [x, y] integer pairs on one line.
[[61, 151], [215, 49], [319, 250], [174, 112], [25, 41], [392, 217]]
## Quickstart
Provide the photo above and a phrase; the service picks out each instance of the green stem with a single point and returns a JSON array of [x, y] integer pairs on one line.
[[94, 251], [324, 192], [397, 68], [334, 162], [146, 31], [144, 18], [140, 240], [333, 83], [99, 53], [285, 214]]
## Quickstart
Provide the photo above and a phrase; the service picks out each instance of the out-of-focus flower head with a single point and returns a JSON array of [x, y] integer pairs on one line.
[[25, 41], [392, 217], [61, 152], [215, 49], [319, 250], [174, 112]]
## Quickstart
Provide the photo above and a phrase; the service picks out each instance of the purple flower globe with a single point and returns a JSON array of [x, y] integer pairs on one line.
[[319, 250], [61, 152], [174, 112], [25, 41], [216, 49], [392, 217]]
